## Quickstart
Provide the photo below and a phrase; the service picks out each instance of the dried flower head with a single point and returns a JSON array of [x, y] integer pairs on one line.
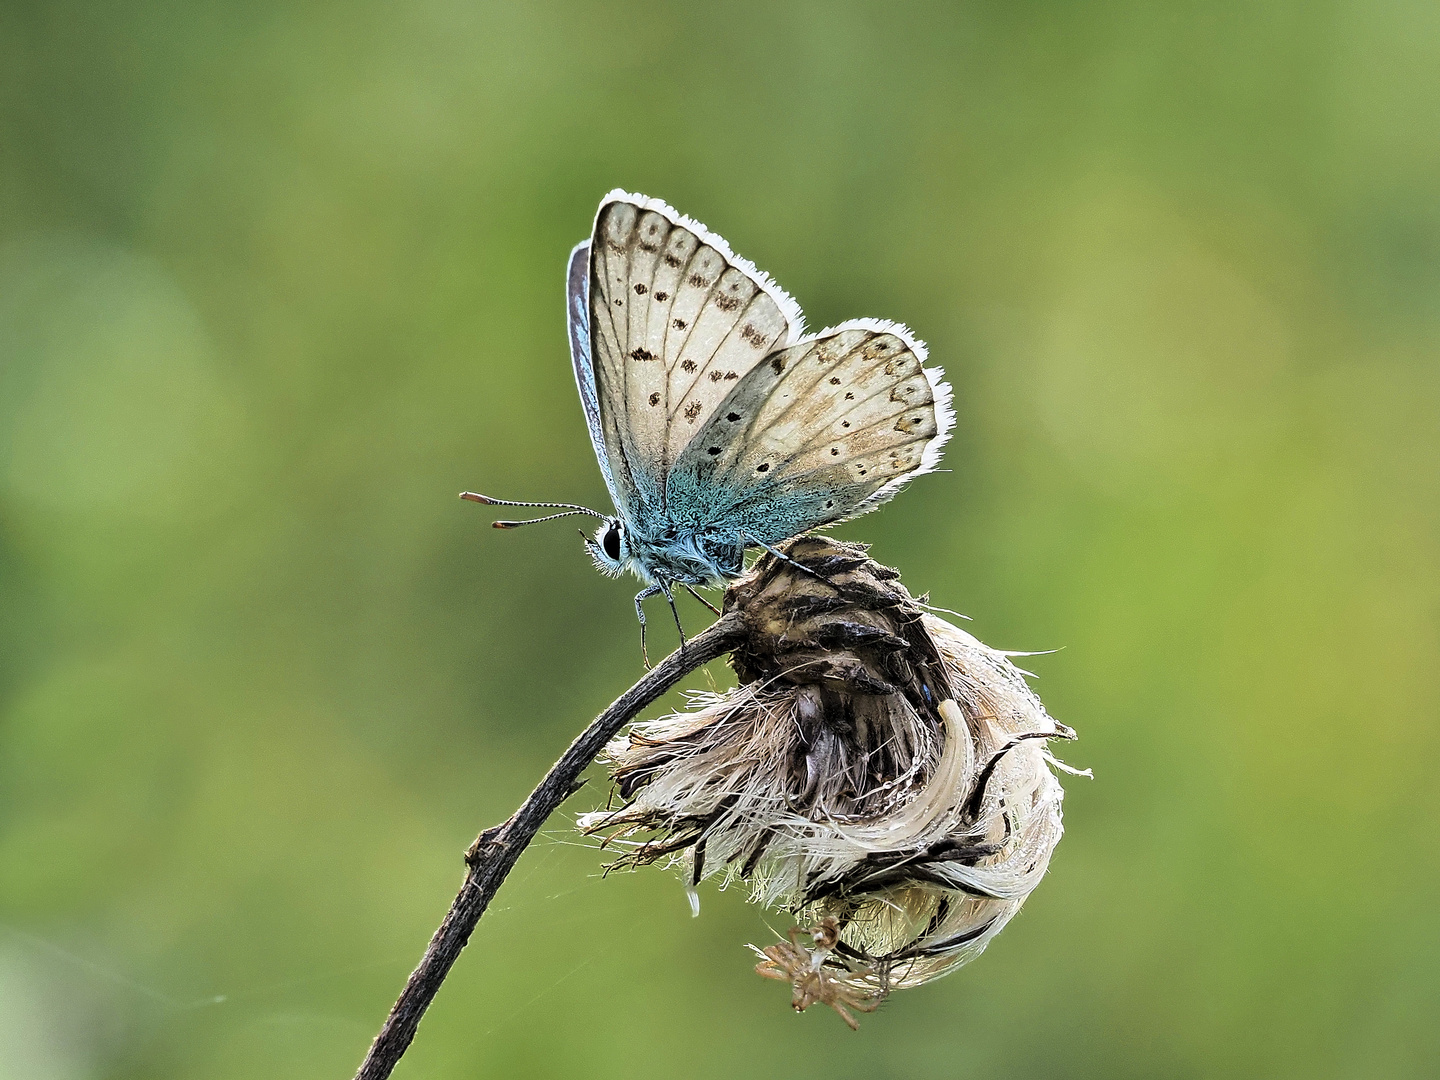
[[878, 771]]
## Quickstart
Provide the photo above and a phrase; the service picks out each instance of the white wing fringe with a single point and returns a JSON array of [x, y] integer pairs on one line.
[[783, 300]]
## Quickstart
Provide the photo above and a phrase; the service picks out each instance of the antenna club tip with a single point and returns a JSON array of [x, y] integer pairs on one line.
[[471, 496], [503, 524]]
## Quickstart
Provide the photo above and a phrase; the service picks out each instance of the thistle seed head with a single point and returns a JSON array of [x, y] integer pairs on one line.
[[878, 771]]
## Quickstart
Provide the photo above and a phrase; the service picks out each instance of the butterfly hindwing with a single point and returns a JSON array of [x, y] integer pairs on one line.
[[677, 320], [821, 431]]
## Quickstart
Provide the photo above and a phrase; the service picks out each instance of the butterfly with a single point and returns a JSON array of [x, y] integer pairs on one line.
[[718, 423]]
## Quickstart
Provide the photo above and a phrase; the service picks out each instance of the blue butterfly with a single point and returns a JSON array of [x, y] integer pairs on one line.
[[718, 423]]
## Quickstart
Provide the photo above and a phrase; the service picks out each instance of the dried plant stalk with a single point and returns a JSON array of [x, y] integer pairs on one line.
[[878, 771], [495, 851]]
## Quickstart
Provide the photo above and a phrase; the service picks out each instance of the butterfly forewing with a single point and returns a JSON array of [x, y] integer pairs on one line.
[[677, 321]]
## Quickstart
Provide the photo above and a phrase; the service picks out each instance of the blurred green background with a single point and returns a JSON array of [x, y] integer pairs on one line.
[[278, 280]]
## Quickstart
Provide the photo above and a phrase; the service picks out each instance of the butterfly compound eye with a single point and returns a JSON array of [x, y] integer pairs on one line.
[[611, 541]]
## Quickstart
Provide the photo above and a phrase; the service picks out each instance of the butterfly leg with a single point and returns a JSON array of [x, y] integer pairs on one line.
[[640, 598], [702, 600], [746, 539], [665, 589]]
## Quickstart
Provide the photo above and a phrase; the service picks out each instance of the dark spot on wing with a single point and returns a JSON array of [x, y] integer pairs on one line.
[[649, 247], [755, 337], [692, 411], [619, 303], [671, 261], [829, 503], [834, 381], [726, 303], [844, 423], [615, 247], [641, 354], [640, 289], [730, 375], [778, 364], [713, 451], [834, 450], [716, 376], [764, 466], [687, 365], [678, 324], [655, 399], [849, 397], [662, 296], [698, 280], [732, 417]]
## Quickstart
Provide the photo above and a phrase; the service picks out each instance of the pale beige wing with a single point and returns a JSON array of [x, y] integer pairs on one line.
[[823, 430], [677, 320]]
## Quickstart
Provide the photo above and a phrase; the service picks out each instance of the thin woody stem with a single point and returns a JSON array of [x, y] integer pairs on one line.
[[496, 850]]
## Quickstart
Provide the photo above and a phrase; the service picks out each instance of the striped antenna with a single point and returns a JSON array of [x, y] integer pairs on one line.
[[569, 509]]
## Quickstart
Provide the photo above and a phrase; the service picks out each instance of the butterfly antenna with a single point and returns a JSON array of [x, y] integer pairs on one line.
[[531, 521], [569, 509]]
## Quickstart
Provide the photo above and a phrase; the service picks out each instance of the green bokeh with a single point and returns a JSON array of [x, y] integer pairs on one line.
[[278, 280]]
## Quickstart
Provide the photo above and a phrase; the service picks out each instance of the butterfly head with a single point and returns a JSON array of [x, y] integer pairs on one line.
[[610, 549]]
